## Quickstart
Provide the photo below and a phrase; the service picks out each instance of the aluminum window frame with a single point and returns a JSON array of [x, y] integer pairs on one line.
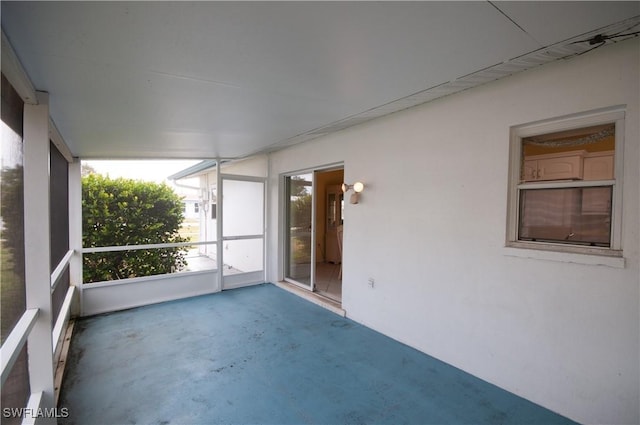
[[614, 115]]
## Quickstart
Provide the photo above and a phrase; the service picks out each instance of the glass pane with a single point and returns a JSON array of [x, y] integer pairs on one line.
[[12, 230], [59, 196], [566, 215], [133, 203], [59, 223], [579, 154], [200, 257], [16, 388], [116, 265], [299, 194], [205, 227], [332, 220], [242, 208], [58, 294], [243, 256]]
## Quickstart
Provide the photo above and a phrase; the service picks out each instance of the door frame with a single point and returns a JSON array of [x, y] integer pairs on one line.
[[248, 278], [283, 222]]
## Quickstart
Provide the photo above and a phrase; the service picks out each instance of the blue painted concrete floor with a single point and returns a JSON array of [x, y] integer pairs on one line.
[[261, 355]]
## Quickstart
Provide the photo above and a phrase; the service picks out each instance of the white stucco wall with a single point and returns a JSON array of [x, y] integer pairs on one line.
[[255, 166], [563, 335]]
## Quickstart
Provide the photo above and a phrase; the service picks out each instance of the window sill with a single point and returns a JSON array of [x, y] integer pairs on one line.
[[565, 254]]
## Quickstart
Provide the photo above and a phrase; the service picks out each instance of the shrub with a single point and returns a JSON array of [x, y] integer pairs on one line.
[[130, 212]]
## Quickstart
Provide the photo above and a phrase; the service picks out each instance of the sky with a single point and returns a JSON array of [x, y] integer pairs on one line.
[[148, 170]]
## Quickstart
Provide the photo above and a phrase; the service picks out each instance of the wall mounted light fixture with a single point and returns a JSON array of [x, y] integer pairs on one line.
[[357, 188]]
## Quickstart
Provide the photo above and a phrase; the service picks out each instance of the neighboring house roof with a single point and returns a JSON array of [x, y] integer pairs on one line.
[[193, 170]]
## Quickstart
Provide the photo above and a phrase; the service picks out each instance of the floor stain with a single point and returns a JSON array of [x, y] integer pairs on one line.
[[264, 355]]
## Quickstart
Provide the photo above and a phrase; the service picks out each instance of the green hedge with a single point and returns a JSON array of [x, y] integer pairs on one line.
[[130, 212]]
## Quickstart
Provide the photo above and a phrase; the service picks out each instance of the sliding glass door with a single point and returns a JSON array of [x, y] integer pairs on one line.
[[299, 229]]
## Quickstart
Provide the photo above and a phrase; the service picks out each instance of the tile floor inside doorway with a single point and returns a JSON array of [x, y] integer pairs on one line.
[[262, 355], [328, 281]]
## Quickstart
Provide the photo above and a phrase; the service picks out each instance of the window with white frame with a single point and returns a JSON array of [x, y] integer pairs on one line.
[[565, 184]]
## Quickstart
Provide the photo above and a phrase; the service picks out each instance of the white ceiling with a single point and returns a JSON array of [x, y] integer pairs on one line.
[[228, 79]]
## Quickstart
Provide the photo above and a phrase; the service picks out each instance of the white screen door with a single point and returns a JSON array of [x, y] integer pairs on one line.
[[242, 231]]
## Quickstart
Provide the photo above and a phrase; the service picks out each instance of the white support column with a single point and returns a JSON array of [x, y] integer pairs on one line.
[[75, 232], [267, 203], [37, 250], [219, 244]]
